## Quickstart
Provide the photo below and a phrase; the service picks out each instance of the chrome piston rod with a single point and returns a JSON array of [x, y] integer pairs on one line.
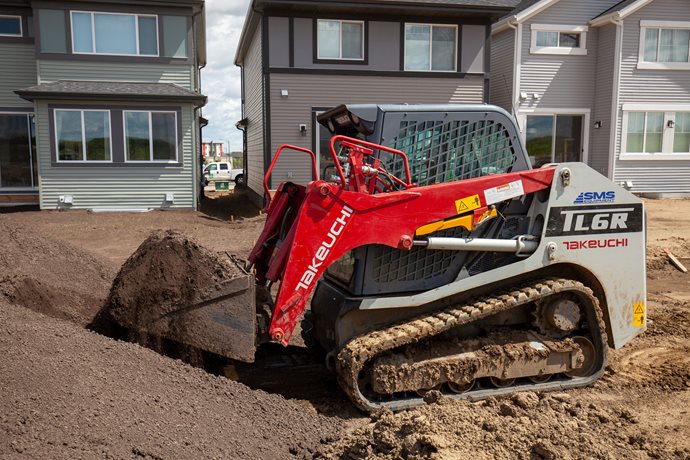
[[519, 245]]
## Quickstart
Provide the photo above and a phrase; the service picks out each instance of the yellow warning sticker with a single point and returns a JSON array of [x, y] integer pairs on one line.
[[638, 314], [468, 204]]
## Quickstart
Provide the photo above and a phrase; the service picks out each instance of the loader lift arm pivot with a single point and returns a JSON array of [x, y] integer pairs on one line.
[[309, 228]]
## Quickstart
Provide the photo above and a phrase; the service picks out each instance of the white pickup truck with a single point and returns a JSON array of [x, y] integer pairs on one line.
[[223, 171]]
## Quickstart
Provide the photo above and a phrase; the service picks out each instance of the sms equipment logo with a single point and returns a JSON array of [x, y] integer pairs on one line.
[[595, 197]]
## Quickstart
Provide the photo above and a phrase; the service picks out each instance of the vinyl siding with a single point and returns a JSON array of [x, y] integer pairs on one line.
[[54, 70], [600, 146], [502, 57], [307, 91], [652, 86], [116, 187], [18, 71], [254, 112], [562, 81]]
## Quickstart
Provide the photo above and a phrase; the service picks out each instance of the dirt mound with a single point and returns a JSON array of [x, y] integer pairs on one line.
[[170, 288], [167, 269], [50, 276], [70, 393], [526, 426]]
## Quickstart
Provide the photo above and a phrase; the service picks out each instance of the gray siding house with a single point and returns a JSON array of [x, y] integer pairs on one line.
[[606, 82], [99, 103], [299, 58]]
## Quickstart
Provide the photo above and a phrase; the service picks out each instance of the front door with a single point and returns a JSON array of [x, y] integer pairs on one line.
[[554, 138], [18, 169], [322, 149]]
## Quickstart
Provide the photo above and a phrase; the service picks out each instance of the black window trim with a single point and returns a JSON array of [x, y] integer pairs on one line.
[[315, 42]]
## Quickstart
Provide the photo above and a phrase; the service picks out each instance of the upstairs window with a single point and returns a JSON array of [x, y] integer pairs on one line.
[[664, 45], [10, 26], [341, 40], [114, 34], [431, 47], [558, 39]]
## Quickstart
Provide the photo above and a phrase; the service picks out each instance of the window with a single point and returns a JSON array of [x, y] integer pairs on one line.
[[558, 39], [10, 26], [150, 136], [114, 33], [656, 134], [340, 40], [681, 138], [17, 151], [555, 138], [83, 135], [431, 47], [223, 166], [664, 45]]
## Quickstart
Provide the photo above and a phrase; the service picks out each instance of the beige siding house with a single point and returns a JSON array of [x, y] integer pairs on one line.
[[606, 82], [301, 59]]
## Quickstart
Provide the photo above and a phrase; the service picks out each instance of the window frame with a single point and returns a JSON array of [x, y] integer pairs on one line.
[[83, 137], [561, 29], [661, 25], [317, 56], [151, 160], [431, 45], [669, 111], [136, 33], [21, 25]]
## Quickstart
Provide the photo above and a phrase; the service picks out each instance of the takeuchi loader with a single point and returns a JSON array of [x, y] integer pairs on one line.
[[429, 255]]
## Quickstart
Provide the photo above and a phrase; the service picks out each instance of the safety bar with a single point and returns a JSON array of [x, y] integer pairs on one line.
[[315, 172], [368, 145]]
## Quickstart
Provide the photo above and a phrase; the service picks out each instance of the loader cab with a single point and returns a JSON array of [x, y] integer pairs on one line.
[[443, 143]]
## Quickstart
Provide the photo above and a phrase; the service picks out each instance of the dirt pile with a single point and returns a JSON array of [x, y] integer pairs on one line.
[[50, 276], [167, 269], [170, 288], [70, 393], [526, 426]]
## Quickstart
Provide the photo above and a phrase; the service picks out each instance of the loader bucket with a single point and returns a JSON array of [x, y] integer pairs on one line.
[[173, 288]]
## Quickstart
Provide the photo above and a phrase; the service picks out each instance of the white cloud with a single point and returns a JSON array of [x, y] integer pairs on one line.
[[220, 79]]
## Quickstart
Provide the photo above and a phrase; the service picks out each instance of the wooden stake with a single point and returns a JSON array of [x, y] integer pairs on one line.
[[676, 263]]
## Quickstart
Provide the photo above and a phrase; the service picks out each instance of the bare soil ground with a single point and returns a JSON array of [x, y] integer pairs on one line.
[[67, 392]]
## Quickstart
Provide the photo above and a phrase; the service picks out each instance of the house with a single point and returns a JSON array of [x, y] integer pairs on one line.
[[601, 81], [99, 103], [300, 58]]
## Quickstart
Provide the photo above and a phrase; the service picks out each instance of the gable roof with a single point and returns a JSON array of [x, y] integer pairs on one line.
[[619, 11], [522, 12]]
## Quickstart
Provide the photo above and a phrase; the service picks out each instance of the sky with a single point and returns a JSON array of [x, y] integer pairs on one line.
[[220, 79]]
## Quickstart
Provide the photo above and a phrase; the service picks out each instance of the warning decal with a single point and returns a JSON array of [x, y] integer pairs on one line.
[[504, 192], [638, 314], [468, 204]]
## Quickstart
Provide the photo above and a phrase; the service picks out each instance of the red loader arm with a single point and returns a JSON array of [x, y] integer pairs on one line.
[[309, 228]]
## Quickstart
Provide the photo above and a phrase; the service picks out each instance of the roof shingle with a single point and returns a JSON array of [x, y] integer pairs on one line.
[[110, 90]]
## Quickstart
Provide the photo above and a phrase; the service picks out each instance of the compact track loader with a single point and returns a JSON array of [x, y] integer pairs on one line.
[[435, 258]]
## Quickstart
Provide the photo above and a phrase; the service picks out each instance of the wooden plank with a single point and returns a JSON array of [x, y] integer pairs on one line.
[[676, 263]]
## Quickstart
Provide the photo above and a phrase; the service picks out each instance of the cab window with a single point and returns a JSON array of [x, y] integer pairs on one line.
[[223, 166]]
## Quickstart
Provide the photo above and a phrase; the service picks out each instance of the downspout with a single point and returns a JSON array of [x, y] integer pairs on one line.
[[197, 115], [615, 97], [517, 68]]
